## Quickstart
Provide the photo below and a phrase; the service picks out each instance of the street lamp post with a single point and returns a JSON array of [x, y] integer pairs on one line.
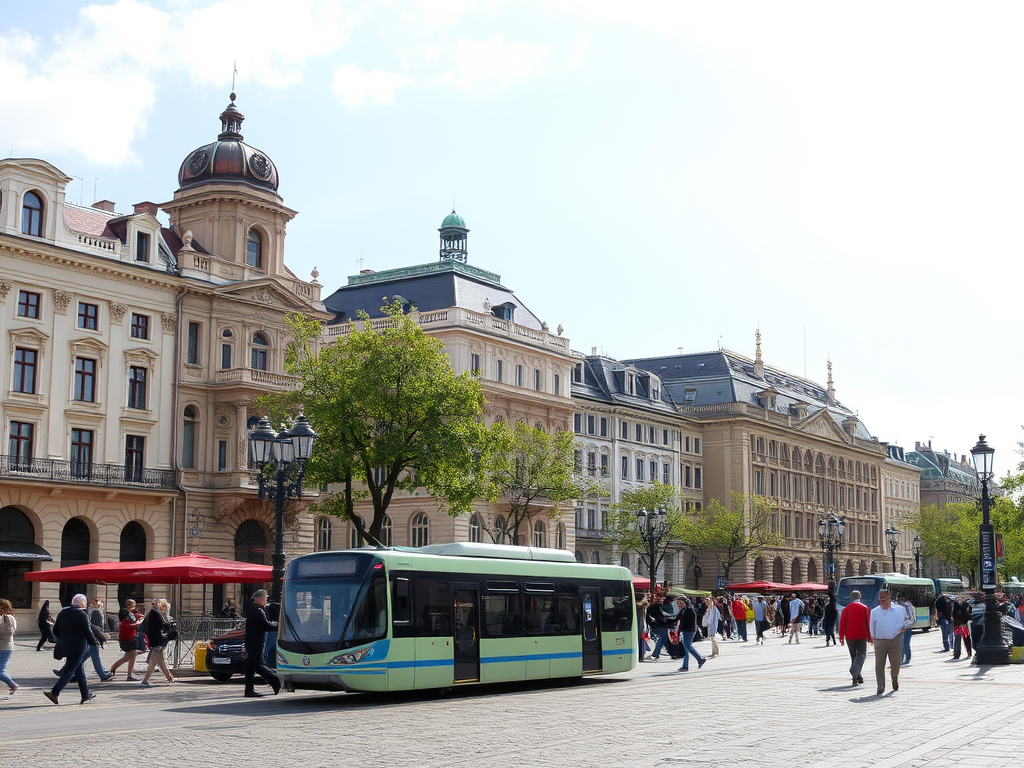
[[991, 649], [831, 533], [290, 446], [892, 538], [651, 526], [916, 549]]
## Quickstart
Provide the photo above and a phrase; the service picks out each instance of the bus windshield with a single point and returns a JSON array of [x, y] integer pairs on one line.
[[868, 587], [335, 601]]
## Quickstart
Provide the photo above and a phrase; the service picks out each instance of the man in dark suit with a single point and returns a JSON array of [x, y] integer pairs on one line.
[[256, 627], [74, 636]]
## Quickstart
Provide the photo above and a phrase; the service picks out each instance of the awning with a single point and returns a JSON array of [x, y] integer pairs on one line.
[[10, 550], [182, 569]]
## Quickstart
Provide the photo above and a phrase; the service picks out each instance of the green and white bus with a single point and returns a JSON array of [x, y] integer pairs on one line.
[[920, 592], [952, 587], [451, 614]]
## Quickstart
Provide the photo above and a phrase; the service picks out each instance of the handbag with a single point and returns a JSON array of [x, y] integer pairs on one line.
[[673, 637], [704, 619]]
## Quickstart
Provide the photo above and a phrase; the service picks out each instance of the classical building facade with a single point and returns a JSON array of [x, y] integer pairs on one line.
[[945, 478], [486, 329], [901, 494], [629, 433], [135, 353], [771, 433]]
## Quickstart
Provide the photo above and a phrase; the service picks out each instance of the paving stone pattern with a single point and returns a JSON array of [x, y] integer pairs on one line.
[[772, 705]]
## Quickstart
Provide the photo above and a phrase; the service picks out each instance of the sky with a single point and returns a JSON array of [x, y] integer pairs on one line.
[[653, 176]]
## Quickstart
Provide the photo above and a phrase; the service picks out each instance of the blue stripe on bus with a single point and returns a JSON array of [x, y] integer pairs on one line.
[[381, 667], [531, 657]]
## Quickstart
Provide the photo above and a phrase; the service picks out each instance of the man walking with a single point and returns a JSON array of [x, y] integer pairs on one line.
[[944, 618], [796, 608], [687, 626], [855, 627], [759, 619], [888, 623], [658, 624], [739, 613], [74, 636], [256, 627]]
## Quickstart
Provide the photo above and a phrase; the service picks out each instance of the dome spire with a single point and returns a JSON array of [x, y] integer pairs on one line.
[[231, 122], [758, 362], [454, 235]]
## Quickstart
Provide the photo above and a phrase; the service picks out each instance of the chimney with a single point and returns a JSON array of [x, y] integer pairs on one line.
[[146, 207], [104, 205], [593, 351], [366, 271]]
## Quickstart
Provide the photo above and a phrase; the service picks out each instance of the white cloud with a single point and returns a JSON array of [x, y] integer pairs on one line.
[[493, 60], [355, 87], [582, 45]]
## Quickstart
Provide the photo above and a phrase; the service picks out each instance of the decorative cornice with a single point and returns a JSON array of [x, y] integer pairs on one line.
[[80, 264]]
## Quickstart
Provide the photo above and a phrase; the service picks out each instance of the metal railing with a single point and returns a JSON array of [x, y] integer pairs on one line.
[[53, 470], [193, 629]]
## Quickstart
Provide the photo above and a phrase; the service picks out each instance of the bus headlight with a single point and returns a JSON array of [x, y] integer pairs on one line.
[[349, 658]]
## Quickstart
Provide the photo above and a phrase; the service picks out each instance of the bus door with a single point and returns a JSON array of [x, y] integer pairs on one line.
[[466, 619], [590, 597]]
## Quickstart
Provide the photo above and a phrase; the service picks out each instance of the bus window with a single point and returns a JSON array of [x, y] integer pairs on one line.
[[540, 617], [432, 601], [503, 615], [370, 619], [568, 610], [401, 602], [617, 611], [868, 586]]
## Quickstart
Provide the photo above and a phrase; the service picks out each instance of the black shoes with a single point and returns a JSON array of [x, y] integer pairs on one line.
[[860, 680], [88, 698], [252, 695], [276, 685], [895, 685], [700, 662], [51, 696]]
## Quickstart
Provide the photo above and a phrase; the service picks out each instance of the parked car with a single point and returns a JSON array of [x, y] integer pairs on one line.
[[225, 655]]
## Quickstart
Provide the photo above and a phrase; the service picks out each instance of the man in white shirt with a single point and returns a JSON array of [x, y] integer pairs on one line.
[[887, 624], [796, 607]]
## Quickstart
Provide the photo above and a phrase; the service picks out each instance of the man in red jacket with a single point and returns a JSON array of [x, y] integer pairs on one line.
[[854, 625], [739, 613]]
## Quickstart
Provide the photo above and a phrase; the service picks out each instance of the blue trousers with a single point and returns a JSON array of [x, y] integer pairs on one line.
[[906, 646], [73, 667], [5, 656], [686, 638], [947, 634], [661, 633]]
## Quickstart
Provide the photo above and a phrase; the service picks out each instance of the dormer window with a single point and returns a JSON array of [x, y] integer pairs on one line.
[[504, 311], [142, 247], [32, 215], [254, 249]]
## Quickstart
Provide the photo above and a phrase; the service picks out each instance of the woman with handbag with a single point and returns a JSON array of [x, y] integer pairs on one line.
[[710, 620], [8, 626], [160, 631], [45, 623]]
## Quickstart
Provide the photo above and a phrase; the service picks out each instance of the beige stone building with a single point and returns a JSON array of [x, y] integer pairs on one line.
[[901, 491], [134, 355]]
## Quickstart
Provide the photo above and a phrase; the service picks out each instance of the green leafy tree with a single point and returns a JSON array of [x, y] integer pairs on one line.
[[737, 532], [527, 472], [391, 416], [674, 528], [950, 533]]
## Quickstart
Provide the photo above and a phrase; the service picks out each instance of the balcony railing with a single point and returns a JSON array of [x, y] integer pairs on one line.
[[255, 376], [591, 533], [51, 470]]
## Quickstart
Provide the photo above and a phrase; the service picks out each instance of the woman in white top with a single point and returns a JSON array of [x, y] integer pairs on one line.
[[8, 626], [711, 618]]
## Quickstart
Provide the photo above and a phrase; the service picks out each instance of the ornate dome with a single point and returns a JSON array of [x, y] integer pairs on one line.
[[229, 159], [453, 220]]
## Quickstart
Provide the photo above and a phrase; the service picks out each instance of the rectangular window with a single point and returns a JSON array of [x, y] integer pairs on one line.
[[225, 357], [140, 326], [698, 482], [557, 385], [624, 432], [664, 437], [666, 473], [639, 431], [28, 304], [653, 467], [536, 379], [137, 387], [503, 615], [474, 364], [222, 455], [577, 461], [25, 370], [499, 372], [604, 465], [625, 468], [142, 246], [88, 316], [686, 444], [85, 380], [696, 445], [591, 463], [590, 424], [604, 426], [688, 476], [192, 353], [134, 450], [519, 375], [653, 435], [20, 450], [577, 423], [689, 396], [258, 359], [639, 470], [81, 452]]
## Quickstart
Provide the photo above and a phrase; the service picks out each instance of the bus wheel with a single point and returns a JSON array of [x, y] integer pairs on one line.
[[221, 677]]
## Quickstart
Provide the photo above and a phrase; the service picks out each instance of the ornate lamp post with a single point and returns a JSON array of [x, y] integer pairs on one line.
[[892, 538], [916, 549], [991, 649], [831, 534], [652, 527], [290, 446]]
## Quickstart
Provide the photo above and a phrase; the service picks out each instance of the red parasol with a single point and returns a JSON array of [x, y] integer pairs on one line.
[[182, 569]]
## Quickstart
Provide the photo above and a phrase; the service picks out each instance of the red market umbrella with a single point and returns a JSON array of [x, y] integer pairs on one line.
[[810, 586], [758, 586], [181, 569], [639, 582]]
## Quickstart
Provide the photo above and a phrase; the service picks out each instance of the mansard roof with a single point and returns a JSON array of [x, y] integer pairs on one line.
[[723, 376], [603, 381], [428, 287]]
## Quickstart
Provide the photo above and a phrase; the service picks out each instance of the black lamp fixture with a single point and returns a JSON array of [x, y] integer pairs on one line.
[[991, 649], [652, 527], [915, 547], [892, 538], [831, 535], [284, 448]]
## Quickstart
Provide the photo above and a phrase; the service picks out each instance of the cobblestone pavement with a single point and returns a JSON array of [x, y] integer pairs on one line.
[[773, 705]]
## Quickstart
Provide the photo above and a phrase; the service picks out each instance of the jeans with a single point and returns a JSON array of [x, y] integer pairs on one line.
[[73, 667], [94, 654], [741, 629], [830, 630], [906, 646], [956, 645], [661, 637], [5, 656], [759, 627], [888, 649], [255, 665], [947, 634], [686, 638], [858, 652]]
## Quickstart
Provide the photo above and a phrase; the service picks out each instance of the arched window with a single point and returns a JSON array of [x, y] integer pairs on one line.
[[75, 544], [499, 530], [777, 570], [581, 557], [386, 532], [560, 536], [420, 530], [260, 343], [254, 249], [250, 547], [32, 216], [354, 539], [324, 531], [759, 569], [540, 534], [796, 571], [624, 560], [475, 528], [132, 550], [812, 570], [188, 437], [595, 557], [819, 464], [17, 535]]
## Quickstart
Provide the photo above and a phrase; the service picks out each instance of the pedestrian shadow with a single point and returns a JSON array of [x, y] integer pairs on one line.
[[837, 689]]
